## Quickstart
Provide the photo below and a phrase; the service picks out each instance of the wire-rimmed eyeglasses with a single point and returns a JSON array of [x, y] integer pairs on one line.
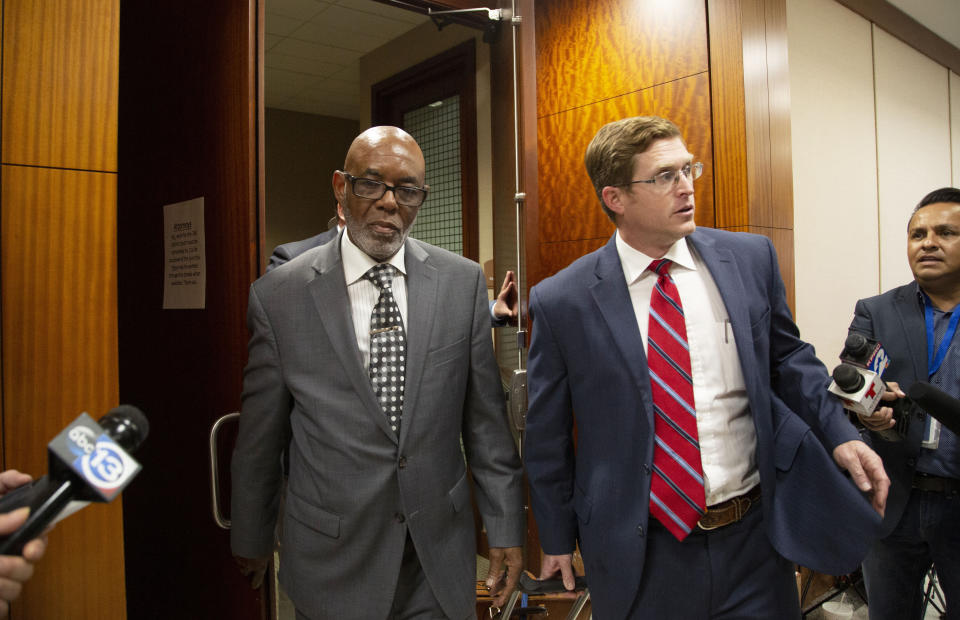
[[668, 179]]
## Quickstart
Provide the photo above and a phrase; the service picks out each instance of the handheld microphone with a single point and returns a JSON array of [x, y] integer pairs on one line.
[[865, 353], [87, 462], [860, 391], [937, 403]]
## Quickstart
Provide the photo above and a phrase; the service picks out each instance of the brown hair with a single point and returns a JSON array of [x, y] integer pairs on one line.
[[609, 156]]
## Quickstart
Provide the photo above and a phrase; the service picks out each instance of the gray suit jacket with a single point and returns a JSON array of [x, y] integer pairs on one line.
[[355, 489], [895, 319]]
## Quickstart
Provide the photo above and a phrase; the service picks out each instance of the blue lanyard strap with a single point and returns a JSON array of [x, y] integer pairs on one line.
[[934, 360]]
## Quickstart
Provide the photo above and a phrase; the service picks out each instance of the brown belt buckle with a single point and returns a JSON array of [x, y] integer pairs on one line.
[[740, 505]]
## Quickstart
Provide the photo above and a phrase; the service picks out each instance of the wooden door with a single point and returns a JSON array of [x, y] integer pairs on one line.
[[188, 129]]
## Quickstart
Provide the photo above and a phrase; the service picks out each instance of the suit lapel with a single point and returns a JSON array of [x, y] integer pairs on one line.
[[914, 329], [329, 292], [422, 291], [613, 302]]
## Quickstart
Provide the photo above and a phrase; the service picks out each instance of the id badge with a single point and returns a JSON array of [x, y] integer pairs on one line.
[[931, 434]]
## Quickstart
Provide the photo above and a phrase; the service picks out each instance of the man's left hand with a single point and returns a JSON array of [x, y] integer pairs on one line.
[[866, 469], [506, 307], [504, 574]]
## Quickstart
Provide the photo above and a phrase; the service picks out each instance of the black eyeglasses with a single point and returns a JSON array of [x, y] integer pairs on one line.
[[668, 179], [374, 190]]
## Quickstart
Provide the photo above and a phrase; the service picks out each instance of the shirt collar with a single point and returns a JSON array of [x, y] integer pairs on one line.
[[635, 263], [356, 262]]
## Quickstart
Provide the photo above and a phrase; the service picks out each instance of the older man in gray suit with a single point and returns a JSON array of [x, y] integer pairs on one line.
[[371, 359]]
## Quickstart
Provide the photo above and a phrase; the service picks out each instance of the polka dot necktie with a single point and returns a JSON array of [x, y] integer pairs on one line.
[[676, 488], [388, 347]]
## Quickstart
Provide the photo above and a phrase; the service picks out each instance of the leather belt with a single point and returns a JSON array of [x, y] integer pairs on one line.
[[936, 484], [729, 511]]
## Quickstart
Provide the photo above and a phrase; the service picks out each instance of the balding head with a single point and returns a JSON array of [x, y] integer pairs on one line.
[[388, 155]]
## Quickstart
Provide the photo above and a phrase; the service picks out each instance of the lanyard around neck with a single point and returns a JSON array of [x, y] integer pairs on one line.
[[934, 359]]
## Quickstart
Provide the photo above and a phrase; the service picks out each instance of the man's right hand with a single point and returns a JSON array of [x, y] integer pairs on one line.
[[254, 568], [551, 564], [882, 418]]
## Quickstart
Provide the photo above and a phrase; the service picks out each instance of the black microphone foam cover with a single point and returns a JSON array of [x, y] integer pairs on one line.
[[847, 378], [856, 344], [126, 425], [937, 403]]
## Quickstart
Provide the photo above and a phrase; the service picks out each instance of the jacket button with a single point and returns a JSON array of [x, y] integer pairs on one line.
[[639, 530], [911, 462], [399, 517], [402, 462], [646, 468]]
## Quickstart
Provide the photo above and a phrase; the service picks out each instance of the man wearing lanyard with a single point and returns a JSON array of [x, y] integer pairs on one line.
[[916, 324]]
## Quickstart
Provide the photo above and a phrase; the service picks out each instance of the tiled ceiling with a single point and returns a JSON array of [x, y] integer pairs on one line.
[[313, 48]]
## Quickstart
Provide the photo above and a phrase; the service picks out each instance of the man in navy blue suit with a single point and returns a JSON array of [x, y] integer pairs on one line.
[[916, 323], [752, 487]]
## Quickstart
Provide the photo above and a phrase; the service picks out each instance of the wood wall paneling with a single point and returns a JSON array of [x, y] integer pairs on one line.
[[569, 208], [590, 50], [751, 123], [60, 83], [729, 119], [59, 359]]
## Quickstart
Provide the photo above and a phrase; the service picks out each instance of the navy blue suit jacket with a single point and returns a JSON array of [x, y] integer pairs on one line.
[[588, 378], [895, 319]]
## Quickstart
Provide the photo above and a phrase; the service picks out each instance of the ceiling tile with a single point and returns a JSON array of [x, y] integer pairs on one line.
[[304, 66], [379, 8], [332, 33], [314, 51], [360, 21], [301, 10], [269, 40], [280, 24]]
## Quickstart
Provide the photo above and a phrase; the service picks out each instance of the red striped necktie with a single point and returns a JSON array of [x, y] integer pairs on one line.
[[676, 489]]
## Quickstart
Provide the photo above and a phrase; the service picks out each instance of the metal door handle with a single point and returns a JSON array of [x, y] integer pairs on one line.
[[215, 470]]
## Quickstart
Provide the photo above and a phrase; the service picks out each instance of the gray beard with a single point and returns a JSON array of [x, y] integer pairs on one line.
[[373, 245]]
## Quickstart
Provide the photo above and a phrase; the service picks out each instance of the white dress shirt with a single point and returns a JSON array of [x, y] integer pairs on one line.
[[728, 439], [364, 294]]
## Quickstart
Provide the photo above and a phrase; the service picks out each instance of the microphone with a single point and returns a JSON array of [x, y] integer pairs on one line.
[[87, 462], [860, 391], [937, 403], [865, 353]]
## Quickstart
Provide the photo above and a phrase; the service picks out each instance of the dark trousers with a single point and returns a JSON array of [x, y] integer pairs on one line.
[[928, 533], [731, 572], [413, 598]]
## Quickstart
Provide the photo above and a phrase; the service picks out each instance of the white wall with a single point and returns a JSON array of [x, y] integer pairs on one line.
[[871, 133], [913, 144], [955, 125], [834, 168]]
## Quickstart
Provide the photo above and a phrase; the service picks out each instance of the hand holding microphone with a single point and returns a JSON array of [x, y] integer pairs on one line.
[[14, 570], [88, 462], [882, 418]]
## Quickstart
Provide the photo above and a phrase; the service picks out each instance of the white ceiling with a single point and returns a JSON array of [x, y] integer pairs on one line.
[[940, 16], [313, 47]]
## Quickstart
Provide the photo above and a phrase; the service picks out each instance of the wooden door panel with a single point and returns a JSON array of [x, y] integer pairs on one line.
[[188, 96]]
